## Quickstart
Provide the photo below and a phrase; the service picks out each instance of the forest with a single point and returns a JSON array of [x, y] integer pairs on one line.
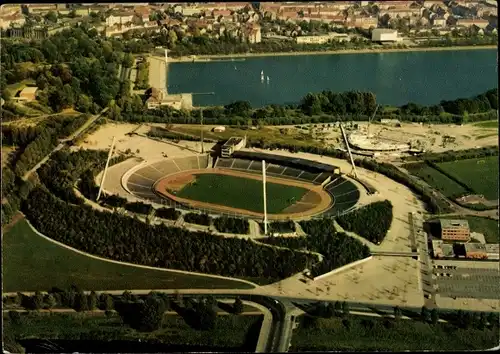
[[452, 155], [337, 249], [122, 238], [370, 222], [232, 225], [32, 144]]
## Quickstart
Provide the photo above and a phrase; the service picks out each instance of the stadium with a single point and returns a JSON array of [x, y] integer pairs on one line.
[[296, 188]]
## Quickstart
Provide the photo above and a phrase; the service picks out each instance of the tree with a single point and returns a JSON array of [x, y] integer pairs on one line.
[[330, 310], [15, 317], [172, 39], [397, 313], [434, 316], [238, 306], [338, 308], [92, 301], [37, 300], [424, 314], [81, 303], [106, 301], [345, 308], [50, 301], [151, 313], [51, 16], [114, 111], [128, 60]]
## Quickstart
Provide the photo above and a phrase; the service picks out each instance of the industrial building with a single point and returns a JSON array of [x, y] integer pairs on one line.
[[385, 35], [232, 145], [454, 230]]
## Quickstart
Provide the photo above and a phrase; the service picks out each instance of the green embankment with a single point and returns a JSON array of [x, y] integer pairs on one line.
[[31, 263]]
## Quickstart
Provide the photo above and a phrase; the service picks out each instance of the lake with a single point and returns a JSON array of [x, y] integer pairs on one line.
[[396, 78]]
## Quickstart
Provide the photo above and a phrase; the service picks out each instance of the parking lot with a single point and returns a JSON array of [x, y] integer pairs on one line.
[[465, 282]]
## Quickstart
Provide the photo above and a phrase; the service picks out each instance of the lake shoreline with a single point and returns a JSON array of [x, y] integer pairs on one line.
[[201, 58]]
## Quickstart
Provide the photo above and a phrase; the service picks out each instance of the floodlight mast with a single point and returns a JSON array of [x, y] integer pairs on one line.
[[369, 120], [264, 194], [349, 151], [105, 169]]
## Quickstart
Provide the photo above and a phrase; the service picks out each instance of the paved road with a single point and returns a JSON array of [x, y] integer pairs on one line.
[[63, 142]]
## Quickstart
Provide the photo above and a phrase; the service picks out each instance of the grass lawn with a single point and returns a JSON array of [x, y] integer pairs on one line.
[[31, 263], [481, 177], [436, 179], [241, 193], [406, 335], [487, 124], [290, 136], [487, 227], [88, 331]]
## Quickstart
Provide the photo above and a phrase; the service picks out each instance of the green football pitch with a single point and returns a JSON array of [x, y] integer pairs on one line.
[[480, 174], [241, 193]]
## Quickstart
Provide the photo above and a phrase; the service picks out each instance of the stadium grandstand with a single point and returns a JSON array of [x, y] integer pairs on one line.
[[141, 181]]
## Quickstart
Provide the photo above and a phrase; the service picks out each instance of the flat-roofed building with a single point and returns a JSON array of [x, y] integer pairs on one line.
[[28, 94], [492, 250], [454, 230], [232, 145], [475, 251], [442, 250], [384, 35]]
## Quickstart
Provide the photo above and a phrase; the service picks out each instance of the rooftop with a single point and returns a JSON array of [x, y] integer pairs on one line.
[[445, 223], [233, 141], [384, 30], [29, 90], [475, 247]]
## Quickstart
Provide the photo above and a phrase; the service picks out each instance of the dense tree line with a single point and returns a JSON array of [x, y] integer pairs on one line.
[[64, 169], [14, 190], [329, 102], [19, 136], [122, 238], [279, 227], [371, 221], [337, 249], [232, 225], [323, 107], [478, 104], [168, 213], [139, 208], [456, 155], [35, 151], [199, 219], [142, 78]]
